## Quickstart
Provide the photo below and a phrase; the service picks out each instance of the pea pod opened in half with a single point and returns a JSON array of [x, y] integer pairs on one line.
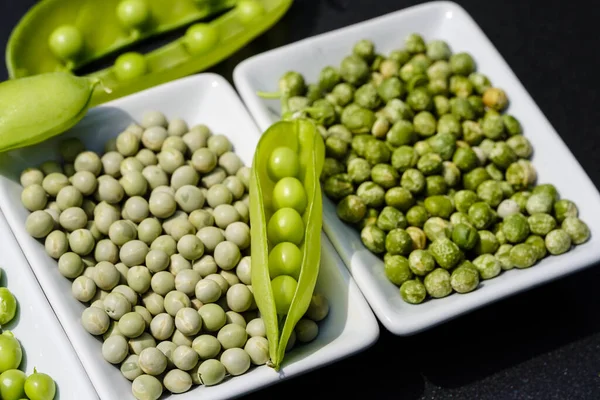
[[286, 217], [39, 107]]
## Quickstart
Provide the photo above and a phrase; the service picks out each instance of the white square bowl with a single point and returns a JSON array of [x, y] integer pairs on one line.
[[553, 160], [43, 340], [205, 98]]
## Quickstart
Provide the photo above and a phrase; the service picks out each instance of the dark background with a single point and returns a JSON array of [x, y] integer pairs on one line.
[[543, 344]]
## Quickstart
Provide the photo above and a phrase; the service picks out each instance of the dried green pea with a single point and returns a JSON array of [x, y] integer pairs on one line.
[[539, 245]]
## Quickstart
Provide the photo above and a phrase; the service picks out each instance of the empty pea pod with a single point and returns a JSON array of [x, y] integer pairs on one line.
[[39, 107], [31, 49], [288, 149], [55, 34]]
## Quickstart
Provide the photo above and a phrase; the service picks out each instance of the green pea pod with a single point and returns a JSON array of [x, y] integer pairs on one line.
[[303, 138], [233, 30], [101, 29], [210, 44], [39, 107]]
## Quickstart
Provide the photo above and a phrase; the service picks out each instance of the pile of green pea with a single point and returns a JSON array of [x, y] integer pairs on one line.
[[422, 158], [14, 383], [155, 236]]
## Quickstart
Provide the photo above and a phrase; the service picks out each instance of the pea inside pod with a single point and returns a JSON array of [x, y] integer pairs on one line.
[[288, 149], [39, 107]]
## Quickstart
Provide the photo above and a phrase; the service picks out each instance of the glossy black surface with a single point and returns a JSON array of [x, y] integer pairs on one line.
[[543, 344]]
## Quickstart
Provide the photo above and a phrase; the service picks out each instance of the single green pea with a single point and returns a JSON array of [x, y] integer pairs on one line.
[[475, 177], [437, 283], [488, 266], [460, 86], [397, 270], [441, 106], [487, 243], [490, 192], [413, 180], [446, 253], [354, 70], [419, 99], [495, 98], [249, 10], [338, 186], [399, 198], [461, 109], [563, 209], [66, 42], [465, 236], [502, 155], [413, 291], [417, 216], [401, 133], [462, 64], [449, 124], [443, 144], [523, 255], [351, 209], [480, 82], [398, 242], [439, 206], [503, 256], [384, 175], [430, 164], [465, 277], [520, 146], [372, 194], [390, 88], [129, 66], [403, 158], [539, 244], [540, 202], [435, 185], [481, 215], [464, 199], [459, 218], [436, 228], [476, 104], [391, 218], [541, 223], [421, 262], [133, 14], [424, 124], [377, 152], [577, 230], [200, 38], [472, 133], [465, 159], [373, 238], [521, 174], [366, 96]]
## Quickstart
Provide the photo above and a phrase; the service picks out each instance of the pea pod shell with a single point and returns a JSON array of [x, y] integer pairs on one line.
[[302, 137], [39, 107], [27, 51]]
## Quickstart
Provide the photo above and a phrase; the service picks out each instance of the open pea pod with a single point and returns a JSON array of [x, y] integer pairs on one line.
[[95, 29], [202, 46], [39, 107], [220, 38], [302, 138]]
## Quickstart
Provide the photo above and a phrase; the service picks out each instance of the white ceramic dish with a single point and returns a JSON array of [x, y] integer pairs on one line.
[[44, 342], [206, 98], [554, 162]]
